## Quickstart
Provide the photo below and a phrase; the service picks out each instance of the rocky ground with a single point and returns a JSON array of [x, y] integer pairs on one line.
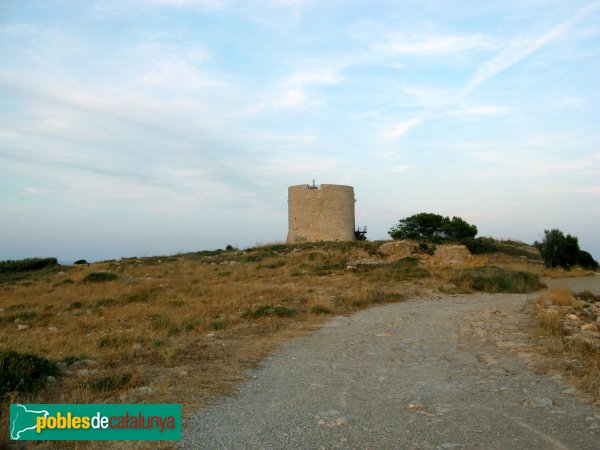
[[438, 372]]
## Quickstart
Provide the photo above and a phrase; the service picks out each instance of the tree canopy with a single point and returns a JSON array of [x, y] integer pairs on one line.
[[558, 250], [433, 228]]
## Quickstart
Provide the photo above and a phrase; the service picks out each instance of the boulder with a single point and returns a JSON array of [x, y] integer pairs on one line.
[[396, 250]]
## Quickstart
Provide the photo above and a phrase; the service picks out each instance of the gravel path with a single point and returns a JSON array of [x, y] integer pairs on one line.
[[432, 373]]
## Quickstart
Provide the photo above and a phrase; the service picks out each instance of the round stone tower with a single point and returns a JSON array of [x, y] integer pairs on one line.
[[320, 213]]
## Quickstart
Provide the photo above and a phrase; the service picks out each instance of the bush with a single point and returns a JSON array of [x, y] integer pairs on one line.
[[320, 309], [27, 265], [558, 250], [99, 277], [433, 228], [266, 310], [23, 372], [80, 261], [496, 279]]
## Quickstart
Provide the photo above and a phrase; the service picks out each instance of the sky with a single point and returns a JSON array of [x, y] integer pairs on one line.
[[153, 127]]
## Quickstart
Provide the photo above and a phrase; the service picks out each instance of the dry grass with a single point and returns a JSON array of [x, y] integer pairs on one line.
[[567, 348], [179, 329]]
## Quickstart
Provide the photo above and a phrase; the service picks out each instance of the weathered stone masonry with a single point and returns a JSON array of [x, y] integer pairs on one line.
[[324, 213]]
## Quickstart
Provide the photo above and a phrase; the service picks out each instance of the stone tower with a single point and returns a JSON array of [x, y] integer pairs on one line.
[[320, 213]]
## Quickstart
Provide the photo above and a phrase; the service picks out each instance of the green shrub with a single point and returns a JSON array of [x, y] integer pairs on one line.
[[25, 315], [432, 228], [110, 383], [190, 324], [99, 277], [23, 372], [320, 309], [407, 268], [80, 261], [496, 279], [267, 310], [558, 250], [217, 324], [142, 296], [159, 322], [27, 265]]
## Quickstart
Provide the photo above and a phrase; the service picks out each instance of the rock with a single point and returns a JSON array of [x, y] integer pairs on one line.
[[572, 317], [50, 379], [22, 327], [84, 364], [452, 254], [350, 267], [52, 330], [210, 335], [145, 390], [589, 326], [396, 250]]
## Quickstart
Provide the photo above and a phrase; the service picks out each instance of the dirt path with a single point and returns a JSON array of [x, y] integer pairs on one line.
[[452, 372]]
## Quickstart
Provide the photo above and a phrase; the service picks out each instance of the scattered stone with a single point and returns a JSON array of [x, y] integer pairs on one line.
[[415, 405], [383, 334], [52, 330], [22, 327], [50, 379], [589, 326], [84, 364], [145, 390], [540, 402], [210, 335]]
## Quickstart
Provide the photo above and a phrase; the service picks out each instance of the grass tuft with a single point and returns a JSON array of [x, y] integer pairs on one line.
[[99, 277], [496, 279], [23, 372]]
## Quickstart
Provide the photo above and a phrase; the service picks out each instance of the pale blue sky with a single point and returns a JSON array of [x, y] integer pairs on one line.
[[146, 127]]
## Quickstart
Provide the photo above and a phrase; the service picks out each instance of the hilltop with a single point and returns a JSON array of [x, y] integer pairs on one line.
[[183, 328]]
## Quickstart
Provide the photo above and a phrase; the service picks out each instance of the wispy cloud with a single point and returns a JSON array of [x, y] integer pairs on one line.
[[478, 111], [516, 52], [296, 90], [432, 44]]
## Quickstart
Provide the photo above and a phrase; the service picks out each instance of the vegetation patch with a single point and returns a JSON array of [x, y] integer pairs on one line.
[[267, 310], [320, 309], [217, 324], [23, 372], [496, 279], [111, 382], [407, 268], [99, 277], [486, 245], [27, 265], [142, 296]]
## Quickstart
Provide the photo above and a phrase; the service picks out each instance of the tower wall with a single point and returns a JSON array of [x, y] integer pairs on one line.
[[325, 213]]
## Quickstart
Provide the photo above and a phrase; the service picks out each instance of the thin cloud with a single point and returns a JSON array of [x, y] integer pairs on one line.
[[433, 45], [512, 55]]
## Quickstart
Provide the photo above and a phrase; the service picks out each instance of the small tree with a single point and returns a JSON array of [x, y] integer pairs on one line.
[[433, 228], [558, 250]]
